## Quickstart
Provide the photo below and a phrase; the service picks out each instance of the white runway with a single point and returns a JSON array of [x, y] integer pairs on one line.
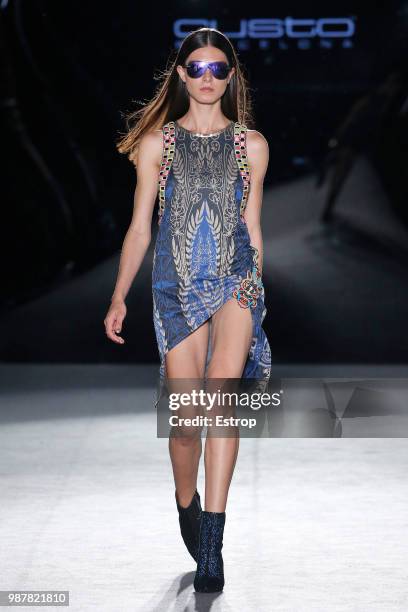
[[87, 505]]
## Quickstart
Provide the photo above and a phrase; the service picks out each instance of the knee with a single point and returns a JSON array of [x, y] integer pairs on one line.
[[219, 368], [186, 437]]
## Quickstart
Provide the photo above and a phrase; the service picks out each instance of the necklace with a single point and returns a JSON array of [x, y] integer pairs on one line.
[[203, 135]]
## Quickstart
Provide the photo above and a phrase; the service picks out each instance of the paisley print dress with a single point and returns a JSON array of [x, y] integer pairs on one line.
[[202, 253]]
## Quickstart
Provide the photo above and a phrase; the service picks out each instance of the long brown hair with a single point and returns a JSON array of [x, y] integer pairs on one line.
[[171, 99]]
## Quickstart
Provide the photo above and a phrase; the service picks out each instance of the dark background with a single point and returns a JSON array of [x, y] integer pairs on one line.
[[69, 72]]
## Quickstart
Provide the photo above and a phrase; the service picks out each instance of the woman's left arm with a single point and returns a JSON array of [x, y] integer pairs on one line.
[[258, 159]]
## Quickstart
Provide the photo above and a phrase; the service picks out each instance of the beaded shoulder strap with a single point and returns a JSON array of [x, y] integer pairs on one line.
[[167, 159], [240, 132]]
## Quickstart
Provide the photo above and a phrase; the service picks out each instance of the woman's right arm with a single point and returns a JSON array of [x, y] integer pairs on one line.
[[138, 236]]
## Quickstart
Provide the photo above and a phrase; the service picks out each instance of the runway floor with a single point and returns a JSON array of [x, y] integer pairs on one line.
[[313, 525]]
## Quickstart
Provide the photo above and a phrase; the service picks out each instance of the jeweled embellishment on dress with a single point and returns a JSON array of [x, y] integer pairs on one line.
[[169, 146], [250, 289]]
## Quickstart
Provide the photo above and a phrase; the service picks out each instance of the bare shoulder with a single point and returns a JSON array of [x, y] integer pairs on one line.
[[151, 141], [151, 146], [256, 141], [257, 150]]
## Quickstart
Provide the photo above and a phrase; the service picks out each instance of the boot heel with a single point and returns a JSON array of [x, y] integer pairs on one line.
[[189, 520], [209, 576]]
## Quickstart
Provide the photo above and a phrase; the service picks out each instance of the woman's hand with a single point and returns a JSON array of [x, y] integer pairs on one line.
[[114, 319]]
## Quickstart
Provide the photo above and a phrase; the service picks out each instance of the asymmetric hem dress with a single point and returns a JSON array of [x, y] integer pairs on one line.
[[202, 254]]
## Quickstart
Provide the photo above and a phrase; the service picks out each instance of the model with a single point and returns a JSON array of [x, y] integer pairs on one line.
[[191, 146]]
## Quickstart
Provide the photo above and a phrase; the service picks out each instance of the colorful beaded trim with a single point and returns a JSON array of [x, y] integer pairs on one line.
[[251, 286], [167, 159], [240, 131]]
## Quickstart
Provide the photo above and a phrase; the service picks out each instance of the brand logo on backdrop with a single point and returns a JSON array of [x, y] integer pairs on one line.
[[286, 32]]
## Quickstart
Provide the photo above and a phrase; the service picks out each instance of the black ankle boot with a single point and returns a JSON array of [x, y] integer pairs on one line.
[[209, 576], [189, 519]]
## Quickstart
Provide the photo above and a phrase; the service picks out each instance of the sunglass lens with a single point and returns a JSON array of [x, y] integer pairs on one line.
[[197, 69], [220, 70]]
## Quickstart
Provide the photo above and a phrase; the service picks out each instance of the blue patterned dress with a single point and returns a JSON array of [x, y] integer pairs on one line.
[[202, 254]]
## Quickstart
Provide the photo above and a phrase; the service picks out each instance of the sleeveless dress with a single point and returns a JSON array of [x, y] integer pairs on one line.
[[202, 253]]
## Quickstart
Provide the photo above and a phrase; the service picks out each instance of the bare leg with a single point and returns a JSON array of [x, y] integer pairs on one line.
[[187, 360], [231, 341]]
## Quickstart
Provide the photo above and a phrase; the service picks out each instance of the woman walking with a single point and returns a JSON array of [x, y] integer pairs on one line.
[[192, 146]]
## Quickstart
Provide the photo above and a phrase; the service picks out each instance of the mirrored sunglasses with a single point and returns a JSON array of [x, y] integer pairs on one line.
[[196, 69]]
